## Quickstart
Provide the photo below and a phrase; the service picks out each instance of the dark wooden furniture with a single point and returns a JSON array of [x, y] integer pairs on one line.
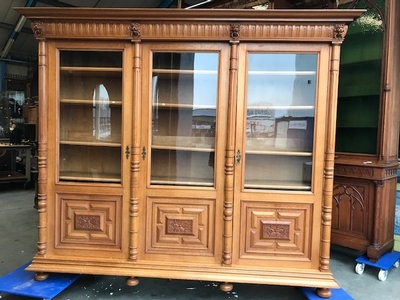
[[367, 137]]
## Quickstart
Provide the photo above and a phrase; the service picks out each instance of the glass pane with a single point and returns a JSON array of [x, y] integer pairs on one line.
[[184, 97], [90, 116], [280, 120]]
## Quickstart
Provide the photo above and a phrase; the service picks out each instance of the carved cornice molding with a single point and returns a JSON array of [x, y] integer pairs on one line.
[[190, 31]]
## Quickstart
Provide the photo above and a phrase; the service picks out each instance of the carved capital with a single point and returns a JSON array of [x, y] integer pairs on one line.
[[235, 31], [378, 183], [135, 30], [37, 28], [340, 32]]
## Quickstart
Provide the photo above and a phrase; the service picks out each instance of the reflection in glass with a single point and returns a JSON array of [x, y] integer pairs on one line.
[[184, 97], [280, 120]]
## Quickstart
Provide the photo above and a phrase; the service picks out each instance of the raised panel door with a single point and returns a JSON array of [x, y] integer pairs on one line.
[[278, 164], [91, 115], [184, 111]]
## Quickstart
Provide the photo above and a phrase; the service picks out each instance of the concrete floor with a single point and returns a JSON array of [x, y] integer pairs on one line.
[[18, 234]]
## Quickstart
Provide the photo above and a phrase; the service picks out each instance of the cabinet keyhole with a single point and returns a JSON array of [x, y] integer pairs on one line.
[[238, 157], [127, 152], [144, 153]]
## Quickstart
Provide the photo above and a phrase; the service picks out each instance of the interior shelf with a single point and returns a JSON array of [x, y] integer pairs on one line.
[[181, 181], [182, 105], [90, 144], [281, 73], [88, 177], [297, 107], [279, 152], [90, 102], [184, 72], [89, 70], [277, 185]]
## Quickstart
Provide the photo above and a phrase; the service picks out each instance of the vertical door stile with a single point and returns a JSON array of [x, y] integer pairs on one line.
[[42, 149], [135, 162], [230, 156], [329, 159]]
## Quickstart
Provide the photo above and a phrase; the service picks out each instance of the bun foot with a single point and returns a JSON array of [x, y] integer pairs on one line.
[[132, 281], [41, 276], [226, 287], [323, 292]]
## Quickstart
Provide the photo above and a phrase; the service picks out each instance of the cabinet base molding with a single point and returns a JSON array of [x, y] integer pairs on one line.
[[226, 275]]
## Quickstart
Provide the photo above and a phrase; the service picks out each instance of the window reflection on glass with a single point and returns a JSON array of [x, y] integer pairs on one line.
[[101, 113], [184, 97], [280, 120]]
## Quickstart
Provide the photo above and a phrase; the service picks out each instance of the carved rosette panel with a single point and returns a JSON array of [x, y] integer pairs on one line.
[[88, 222], [275, 230], [180, 227]]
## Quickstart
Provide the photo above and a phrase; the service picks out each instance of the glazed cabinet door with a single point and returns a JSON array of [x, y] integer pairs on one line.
[[89, 150], [184, 115], [279, 154]]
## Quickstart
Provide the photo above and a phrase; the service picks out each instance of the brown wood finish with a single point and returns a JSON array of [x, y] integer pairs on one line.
[[365, 185], [151, 220]]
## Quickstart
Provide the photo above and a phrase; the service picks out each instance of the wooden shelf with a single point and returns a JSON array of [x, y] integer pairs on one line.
[[184, 72], [183, 105], [279, 152], [90, 102], [278, 185], [181, 181], [88, 177], [281, 73], [276, 107], [90, 69], [178, 148], [90, 144]]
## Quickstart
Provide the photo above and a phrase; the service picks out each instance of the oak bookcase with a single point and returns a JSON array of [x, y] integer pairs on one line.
[[188, 144]]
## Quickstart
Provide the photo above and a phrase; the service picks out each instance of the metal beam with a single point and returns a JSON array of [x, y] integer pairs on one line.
[[165, 3], [16, 30], [56, 3], [11, 27]]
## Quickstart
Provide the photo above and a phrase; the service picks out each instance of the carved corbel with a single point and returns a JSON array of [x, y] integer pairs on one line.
[[37, 28], [235, 31], [340, 32], [135, 30]]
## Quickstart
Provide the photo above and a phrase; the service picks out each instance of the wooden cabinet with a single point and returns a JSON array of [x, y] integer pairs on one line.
[[367, 136], [188, 144]]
